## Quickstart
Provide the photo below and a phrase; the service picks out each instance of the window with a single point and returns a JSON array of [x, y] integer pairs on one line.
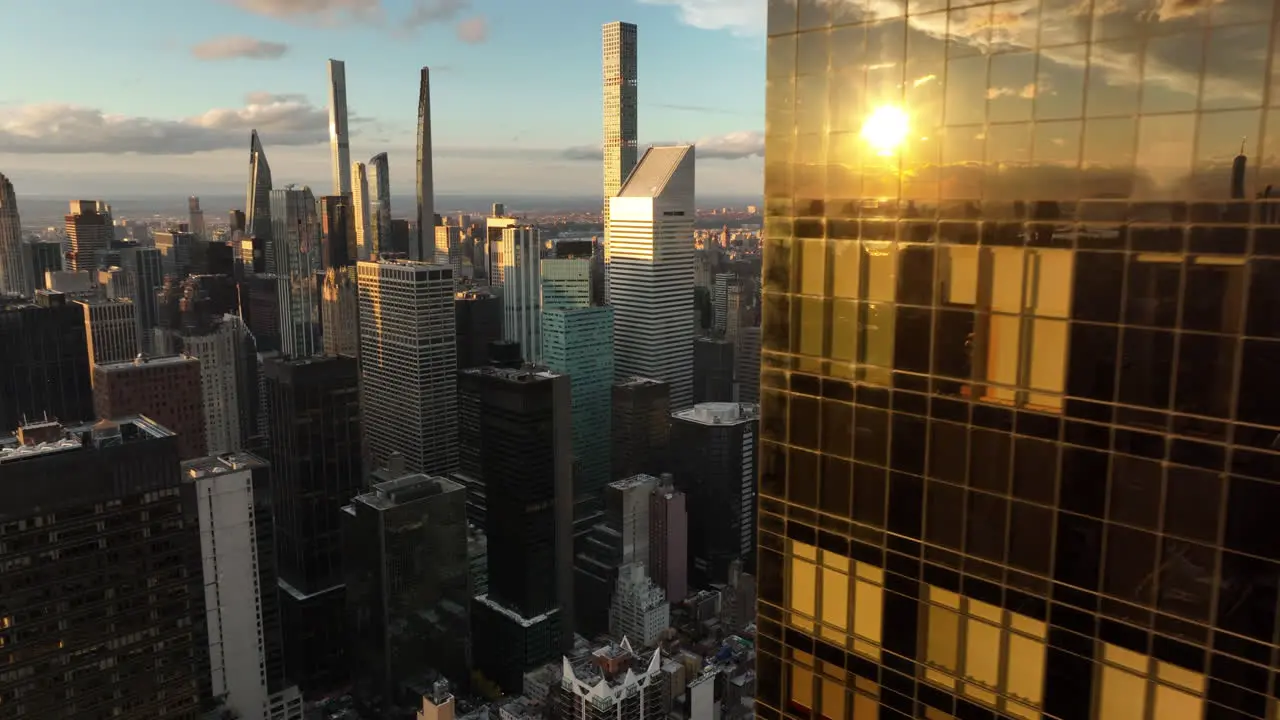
[[1134, 686], [800, 683], [1013, 350], [984, 652], [835, 598]]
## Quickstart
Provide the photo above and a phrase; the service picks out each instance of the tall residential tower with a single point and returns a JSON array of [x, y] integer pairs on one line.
[[423, 249], [620, 134], [379, 234], [258, 200], [339, 141]]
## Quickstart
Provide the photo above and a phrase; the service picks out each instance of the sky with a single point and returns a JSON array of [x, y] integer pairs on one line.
[[158, 97]]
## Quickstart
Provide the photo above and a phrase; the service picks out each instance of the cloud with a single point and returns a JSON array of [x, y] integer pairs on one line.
[[281, 119], [473, 31], [699, 109], [229, 47], [730, 146], [741, 17], [330, 13]]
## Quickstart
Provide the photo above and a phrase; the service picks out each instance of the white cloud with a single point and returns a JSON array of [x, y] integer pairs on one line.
[[229, 47], [67, 129], [741, 17], [370, 12], [473, 31]]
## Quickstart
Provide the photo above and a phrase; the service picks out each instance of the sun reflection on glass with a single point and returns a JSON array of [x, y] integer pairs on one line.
[[885, 129]]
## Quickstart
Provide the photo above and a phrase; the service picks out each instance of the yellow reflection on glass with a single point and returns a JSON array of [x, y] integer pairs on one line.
[[885, 129]]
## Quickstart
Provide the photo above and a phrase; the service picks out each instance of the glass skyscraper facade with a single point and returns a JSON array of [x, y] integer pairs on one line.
[[1019, 427]]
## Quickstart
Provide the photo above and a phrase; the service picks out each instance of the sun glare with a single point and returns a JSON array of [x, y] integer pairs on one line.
[[885, 129]]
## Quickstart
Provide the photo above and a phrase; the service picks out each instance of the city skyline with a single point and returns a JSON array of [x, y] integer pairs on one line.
[[145, 134]]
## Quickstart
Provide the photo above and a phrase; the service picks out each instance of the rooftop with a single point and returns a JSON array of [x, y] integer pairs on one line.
[[220, 464], [654, 171], [527, 373], [611, 668], [719, 413], [639, 382], [634, 481], [144, 360], [406, 489], [45, 437]]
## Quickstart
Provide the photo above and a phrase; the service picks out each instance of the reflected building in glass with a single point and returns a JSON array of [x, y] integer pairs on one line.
[[1019, 427]]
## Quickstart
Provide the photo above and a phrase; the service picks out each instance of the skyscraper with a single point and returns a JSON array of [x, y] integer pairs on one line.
[[337, 232], [522, 289], [296, 240], [165, 389], [426, 184], [641, 427], [315, 455], [621, 141], [379, 206], [478, 322], [340, 313], [1018, 421], [195, 218], [45, 364], [408, 364], [89, 234], [360, 205], [339, 142], [578, 342], [651, 274], [566, 283], [258, 200], [14, 277], [111, 330], [99, 511], [408, 585]]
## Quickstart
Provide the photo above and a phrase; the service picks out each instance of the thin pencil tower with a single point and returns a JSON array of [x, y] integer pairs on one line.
[[339, 141], [424, 248]]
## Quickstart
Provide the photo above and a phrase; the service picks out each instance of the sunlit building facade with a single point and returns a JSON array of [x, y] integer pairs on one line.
[[339, 140], [14, 277], [1019, 339], [379, 233]]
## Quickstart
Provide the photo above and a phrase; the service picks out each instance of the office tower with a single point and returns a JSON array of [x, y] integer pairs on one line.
[[621, 140], [164, 389], [522, 289], [639, 611], [566, 283], [236, 221], [42, 256], [111, 330], [494, 228], [713, 367], [517, 431], [340, 313], [237, 542], [224, 350], [746, 372], [408, 361], [714, 449], [89, 234], [641, 427], [337, 232], [669, 539], [426, 182], [599, 283], [400, 230], [612, 681], [360, 207], [618, 539], [258, 201], [339, 141], [296, 239], [651, 271], [145, 267], [177, 250], [261, 306], [408, 586], [447, 248], [579, 343], [116, 283], [14, 276], [720, 302], [125, 629], [44, 369], [379, 206], [315, 455], [1051, 446], [477, 323], [72, 284], [195, 218], [498, 210]]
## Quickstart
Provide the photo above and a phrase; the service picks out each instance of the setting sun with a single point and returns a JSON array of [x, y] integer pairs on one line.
[[885, 129]]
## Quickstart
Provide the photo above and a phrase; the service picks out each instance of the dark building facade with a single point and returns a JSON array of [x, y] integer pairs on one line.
[[315, 453], [641, 427], [712, 370], [408, 588], [515, 437], [102, 606], [338, 232], [1020, 339], [478, 322], [45, 364], [166, 390]]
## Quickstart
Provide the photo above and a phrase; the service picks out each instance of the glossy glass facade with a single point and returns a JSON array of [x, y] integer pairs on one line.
[[1019, 426]]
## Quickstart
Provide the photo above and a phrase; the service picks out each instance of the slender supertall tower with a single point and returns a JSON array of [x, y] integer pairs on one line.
[[620, 125], [360, 203], [426, 184], [339, 142], [258, 200], [13, 276], [379, 205]]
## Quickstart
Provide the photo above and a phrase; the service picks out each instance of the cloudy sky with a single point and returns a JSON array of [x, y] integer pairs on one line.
[[158, 97]]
